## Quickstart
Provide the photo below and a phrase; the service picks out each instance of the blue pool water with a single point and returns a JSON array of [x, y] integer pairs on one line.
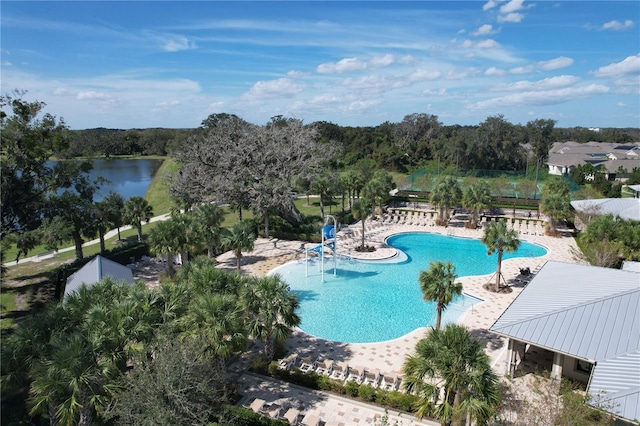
[[379, 301]]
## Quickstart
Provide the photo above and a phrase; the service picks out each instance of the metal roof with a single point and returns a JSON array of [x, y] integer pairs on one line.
[[624, 208], [586, 312], [614, 389], [97, 269]]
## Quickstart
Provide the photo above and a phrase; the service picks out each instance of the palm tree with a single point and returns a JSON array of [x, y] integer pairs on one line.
[[452, 376], [168, 239], [114, 208], [498, 238], [239, 238], [272, 309], [136, 211], [73, 384], [554, 201], [209, 217], [445, 194], [216, 320], [361, 210], [438, 285], [476, 198]]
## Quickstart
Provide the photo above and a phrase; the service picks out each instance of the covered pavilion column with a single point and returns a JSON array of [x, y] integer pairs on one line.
[[556, 369], [511, 358]]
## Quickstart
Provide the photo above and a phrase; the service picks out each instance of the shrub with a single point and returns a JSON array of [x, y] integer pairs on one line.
[[401, 401], [366, 393], [351, 388], [260, 365]]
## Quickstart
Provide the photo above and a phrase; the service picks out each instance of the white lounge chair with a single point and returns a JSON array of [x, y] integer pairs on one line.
[[307, 364], [311, 420], [257, 405], [389, 382], [325, 367], [288, 362], [339, 371], [292, 416], [356, 374], [371, 378]]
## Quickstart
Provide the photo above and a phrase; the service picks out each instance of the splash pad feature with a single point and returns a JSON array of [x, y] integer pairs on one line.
[[330, 241]]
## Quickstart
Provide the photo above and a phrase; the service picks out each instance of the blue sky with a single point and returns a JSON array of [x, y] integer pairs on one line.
[[171, 64]]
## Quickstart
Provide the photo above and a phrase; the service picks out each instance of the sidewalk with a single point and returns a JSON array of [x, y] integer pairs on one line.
[[110, 234]]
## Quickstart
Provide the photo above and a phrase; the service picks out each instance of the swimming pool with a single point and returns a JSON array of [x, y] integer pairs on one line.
[[378, 301]]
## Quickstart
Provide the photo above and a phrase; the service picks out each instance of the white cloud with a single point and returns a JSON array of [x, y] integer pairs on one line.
[[511, 17], [424, 75], [439, 92], [344, 65], [294, 73], [408, 59], [621, 104], [543, 97], [489, 5], [6, 64], [485, 29], [93, 95], [362, 105], [461, 74], [630, 65], [165, 104], [545, 84], [554, 64], [61, 91], [493, 71], [279, 88], [617, 25], [481, 44], [382, 61], [512, 6], [178, 43]]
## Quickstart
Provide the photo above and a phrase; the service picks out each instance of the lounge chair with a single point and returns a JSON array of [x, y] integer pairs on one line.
[[389, 382], [371, 378], [292, 416], [356, 374], [325, 367], [311, 420], [272, 410], [257, 405], [307, 364], [339, 371], [288, 362]]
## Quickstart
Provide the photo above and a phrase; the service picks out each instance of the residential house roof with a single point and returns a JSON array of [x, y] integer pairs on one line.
[[589, 313], [609, 156], [94, 271]]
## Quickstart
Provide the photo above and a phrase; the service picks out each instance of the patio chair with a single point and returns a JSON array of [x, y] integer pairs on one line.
[[389, 381], [371, 378], [307, 364], [339, 371], [325, 367], [288, 362], [356, 374], [257, 405], [292, 416], [311, 420]]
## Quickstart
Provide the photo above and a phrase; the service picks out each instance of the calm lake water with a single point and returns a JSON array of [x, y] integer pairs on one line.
[[128, 177]]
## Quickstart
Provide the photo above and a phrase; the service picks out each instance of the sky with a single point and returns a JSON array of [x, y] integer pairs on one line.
[[171, 64]]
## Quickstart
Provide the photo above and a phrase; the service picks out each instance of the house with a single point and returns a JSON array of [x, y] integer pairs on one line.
[[588, 318], [609, 158], [94, 271]]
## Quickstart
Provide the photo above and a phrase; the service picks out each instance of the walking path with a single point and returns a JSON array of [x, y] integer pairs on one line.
[[110, 234]]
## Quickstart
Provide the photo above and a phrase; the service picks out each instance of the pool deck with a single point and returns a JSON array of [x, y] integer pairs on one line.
[[389, 356]]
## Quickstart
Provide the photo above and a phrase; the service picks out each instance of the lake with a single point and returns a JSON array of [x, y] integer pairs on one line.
[[126, 176]]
